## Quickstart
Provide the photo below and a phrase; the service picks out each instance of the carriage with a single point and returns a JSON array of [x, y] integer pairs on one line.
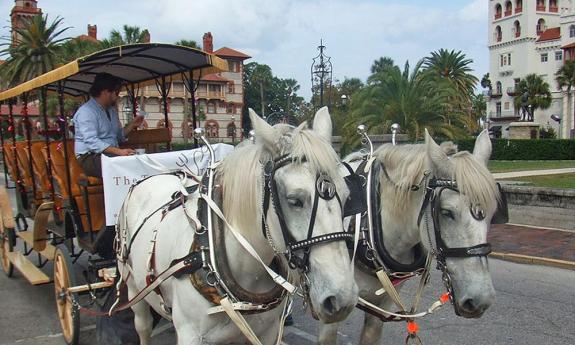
[[66, 206]]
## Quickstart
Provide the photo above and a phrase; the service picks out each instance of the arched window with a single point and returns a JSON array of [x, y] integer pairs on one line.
[[517, 29], [572, 31], [498, 11], [553, 7], [518, 6], [498, 88], [498, 34], [212, 129], [508, 8], [540, 26], [540, 5], [231, 130]]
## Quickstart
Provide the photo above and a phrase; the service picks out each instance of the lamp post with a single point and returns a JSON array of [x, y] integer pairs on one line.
[[557, 118], [321, 73]]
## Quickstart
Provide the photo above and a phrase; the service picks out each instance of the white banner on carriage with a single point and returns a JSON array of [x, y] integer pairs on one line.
[[119, 173]]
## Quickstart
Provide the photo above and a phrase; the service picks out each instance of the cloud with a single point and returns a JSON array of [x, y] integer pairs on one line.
[[285, 33]]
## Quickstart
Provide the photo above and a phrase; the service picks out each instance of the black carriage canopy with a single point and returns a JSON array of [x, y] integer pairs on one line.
[[141, 64]]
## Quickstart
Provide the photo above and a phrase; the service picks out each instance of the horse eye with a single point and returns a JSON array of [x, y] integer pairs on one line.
[[447, 213], [294, 202]]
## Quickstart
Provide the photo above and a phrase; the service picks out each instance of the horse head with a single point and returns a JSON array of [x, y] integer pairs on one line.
[[301, 191], [462, 202]]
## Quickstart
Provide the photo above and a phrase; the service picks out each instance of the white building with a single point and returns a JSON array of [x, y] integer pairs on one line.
[[529, 36]]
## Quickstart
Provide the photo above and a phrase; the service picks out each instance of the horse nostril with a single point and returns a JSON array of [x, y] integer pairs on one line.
[[330, 305], [469, 305]]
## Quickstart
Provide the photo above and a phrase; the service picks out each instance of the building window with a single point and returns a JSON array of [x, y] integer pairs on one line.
[[231, 88], [234, 66], [505, 59], [558, 55], [230, 108], [506, 105], [498, 11], [572, 31], [212, 129], [541, 26], [544, 57], [508, 8], [211, 107], [498, 88], [518, 6], [498, 33], [232, 130], [517, 29], [498, 109]]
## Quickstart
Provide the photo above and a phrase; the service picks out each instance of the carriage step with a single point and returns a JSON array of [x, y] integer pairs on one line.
[[49, 250], [28, 269]]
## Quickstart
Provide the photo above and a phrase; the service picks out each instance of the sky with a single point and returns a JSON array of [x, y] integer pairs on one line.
[[284, 34]]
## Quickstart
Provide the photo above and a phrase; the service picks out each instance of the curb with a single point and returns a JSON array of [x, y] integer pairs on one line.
[[533, 260]]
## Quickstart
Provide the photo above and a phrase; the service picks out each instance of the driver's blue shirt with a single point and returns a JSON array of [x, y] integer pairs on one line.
[[94, 131]]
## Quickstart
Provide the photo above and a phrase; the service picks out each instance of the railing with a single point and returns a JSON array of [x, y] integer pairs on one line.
[[508, 12], [210, 94], [496, 93], [511, 91], [553, 9], [502, 114], [517, 33], [497, 37], [497, 15], [540, 8], [518, 10]]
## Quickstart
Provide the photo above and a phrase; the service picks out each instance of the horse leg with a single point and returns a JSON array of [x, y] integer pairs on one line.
[[328, 334], [143, 320], [371, 333]]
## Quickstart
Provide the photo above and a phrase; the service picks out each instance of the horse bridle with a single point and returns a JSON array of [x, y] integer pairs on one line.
[[325, 189], [434, 189]]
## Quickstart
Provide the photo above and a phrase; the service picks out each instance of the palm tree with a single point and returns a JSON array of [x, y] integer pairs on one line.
[[34, 52], [565, 78], [291, 87], [537, 90], [261, 76], [129, 35], [77, 48], [188, 43], [452, 67], [380, 68], [404, 97]]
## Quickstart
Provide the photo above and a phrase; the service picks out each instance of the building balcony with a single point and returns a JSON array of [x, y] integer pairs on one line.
[[512, 91], [505, 115], [497, 15], [508, 13], [518, 10], [540, 8], [553, 9], [517, 33], [211, 95], [495, 93]]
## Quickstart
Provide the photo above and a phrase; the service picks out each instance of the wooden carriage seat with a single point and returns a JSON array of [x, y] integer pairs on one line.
[[24, 164], [147, 139], [95, 188], [9, 159], [40, 166]]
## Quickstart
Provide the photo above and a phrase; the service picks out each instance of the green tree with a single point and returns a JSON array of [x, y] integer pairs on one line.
[[128, 35], [536, 89], [565, 78], [454, 68], [188, 43], [486, 82], [77, 48], [261, 76], [35, 51], [404, 97], [380, 69]]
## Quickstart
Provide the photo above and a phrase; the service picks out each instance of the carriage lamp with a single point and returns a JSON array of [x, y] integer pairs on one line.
[[199, 133], [361, 129]]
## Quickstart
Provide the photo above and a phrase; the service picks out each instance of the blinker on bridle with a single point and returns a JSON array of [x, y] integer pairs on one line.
[[324, 188]]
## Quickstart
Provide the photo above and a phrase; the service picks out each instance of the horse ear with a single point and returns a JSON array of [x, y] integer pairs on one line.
[[265, 133], [482, 149], [322, 124], [439, 160]]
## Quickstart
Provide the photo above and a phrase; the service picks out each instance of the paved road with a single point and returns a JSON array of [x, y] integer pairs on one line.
[[533, 173], [534, 306]]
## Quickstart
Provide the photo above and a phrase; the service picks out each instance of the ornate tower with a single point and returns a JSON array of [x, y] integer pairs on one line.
[[22, 11]]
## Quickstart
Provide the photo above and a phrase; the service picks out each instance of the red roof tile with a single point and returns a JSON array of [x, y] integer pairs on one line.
[[550, 34], [214, 77], [229, 52]]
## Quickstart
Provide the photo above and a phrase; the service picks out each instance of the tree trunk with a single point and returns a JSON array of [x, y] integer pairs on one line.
[[262, 99]]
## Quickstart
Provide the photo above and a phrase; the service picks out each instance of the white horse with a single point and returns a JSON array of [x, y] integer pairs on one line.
[[332, 290], [461, 223]]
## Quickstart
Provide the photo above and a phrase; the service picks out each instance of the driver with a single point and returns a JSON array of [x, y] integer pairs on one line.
[[97, 125]]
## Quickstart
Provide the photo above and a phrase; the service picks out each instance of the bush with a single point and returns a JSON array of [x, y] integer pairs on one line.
[[521, 149]]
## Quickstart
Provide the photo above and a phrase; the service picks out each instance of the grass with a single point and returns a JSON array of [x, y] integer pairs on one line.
[[506, 166], [550, 181]]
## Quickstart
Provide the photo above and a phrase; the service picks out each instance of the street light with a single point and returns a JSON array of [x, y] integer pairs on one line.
[[394, 129], [344, 99], [557, 118]]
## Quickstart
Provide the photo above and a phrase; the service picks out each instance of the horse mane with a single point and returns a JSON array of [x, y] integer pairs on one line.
[[406, 166], [240, 173]]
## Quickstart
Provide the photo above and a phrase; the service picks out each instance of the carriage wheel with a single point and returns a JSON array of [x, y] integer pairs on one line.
[[68, 312], [6, 246]]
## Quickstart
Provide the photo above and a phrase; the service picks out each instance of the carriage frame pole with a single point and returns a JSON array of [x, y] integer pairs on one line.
[[27, 126], [12, 124], [64, 127], [3, 153], [44, 110], [164, 90]]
